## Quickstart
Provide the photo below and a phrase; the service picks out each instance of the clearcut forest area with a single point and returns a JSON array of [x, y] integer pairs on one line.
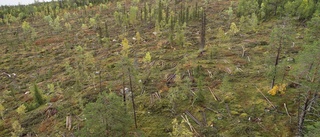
[[157, 68]]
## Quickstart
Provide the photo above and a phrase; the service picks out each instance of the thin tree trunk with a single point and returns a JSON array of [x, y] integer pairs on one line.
[[309, 102], [203, 31], [123, 90], [100, 81], [106, 29], [313, 79], [276, 63], [132, 96], [303, 115]]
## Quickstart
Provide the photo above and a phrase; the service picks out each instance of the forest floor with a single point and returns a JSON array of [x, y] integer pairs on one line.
[[224, 88]]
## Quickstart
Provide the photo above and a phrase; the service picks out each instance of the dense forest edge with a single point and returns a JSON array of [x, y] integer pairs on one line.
[[160, 68]]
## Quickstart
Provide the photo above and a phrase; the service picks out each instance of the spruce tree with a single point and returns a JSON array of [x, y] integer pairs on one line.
[[281, 37], [307, 74], [313, 30], [37, 95], [105, 117]]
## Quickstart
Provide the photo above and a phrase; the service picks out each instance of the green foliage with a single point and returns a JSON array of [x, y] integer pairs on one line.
[[117, 17], [244, 129], [17, 129], [6, 20], [84, 65], [247, 7], [233, 28], [308, 60], [306, 9], [313, 130], [66, 15], [48, 19], [135, 1], [133, 14], [37, 94], [11, 19], [88, 61], [160, 6], [2, 110], [92, 23], [78, 65], [291, 7], [56, 24], [84, 27], [119, 5], [26, 27], [147, 58], [51, 88], [282, 34], [226, 85], [138, 37], [125, 47], [199, 99], [281, 37], [265, 9], [175, 95], [222, 36], [102, 7], [180, 34], [180, 129], [313, 30], [243, 23], [106, 117], [254, 22], [33, 34], [21, 110], [157, 27], [230, 13], [68, 26], [22, 16]]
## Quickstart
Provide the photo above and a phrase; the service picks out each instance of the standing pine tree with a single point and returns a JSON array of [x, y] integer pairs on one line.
[[307, 74], [281, 37], [105, 117], [38, 95], [313, 30]]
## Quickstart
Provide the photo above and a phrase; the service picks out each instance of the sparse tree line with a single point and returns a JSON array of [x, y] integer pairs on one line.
[[266, 9], [12, 14]]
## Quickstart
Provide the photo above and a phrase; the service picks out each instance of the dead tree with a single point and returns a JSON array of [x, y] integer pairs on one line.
[[123, 90], [203, 32], [311, 97], [276, 63], [309, 101], [68, 122], [132, 99]]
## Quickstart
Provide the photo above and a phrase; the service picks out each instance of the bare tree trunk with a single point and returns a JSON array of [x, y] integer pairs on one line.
[[124, 90], [306, 106], [309, 102], [313, 79], [302, 116], [203, 31], [100, 81], [68, 122], [132, 96], [276, 63]]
